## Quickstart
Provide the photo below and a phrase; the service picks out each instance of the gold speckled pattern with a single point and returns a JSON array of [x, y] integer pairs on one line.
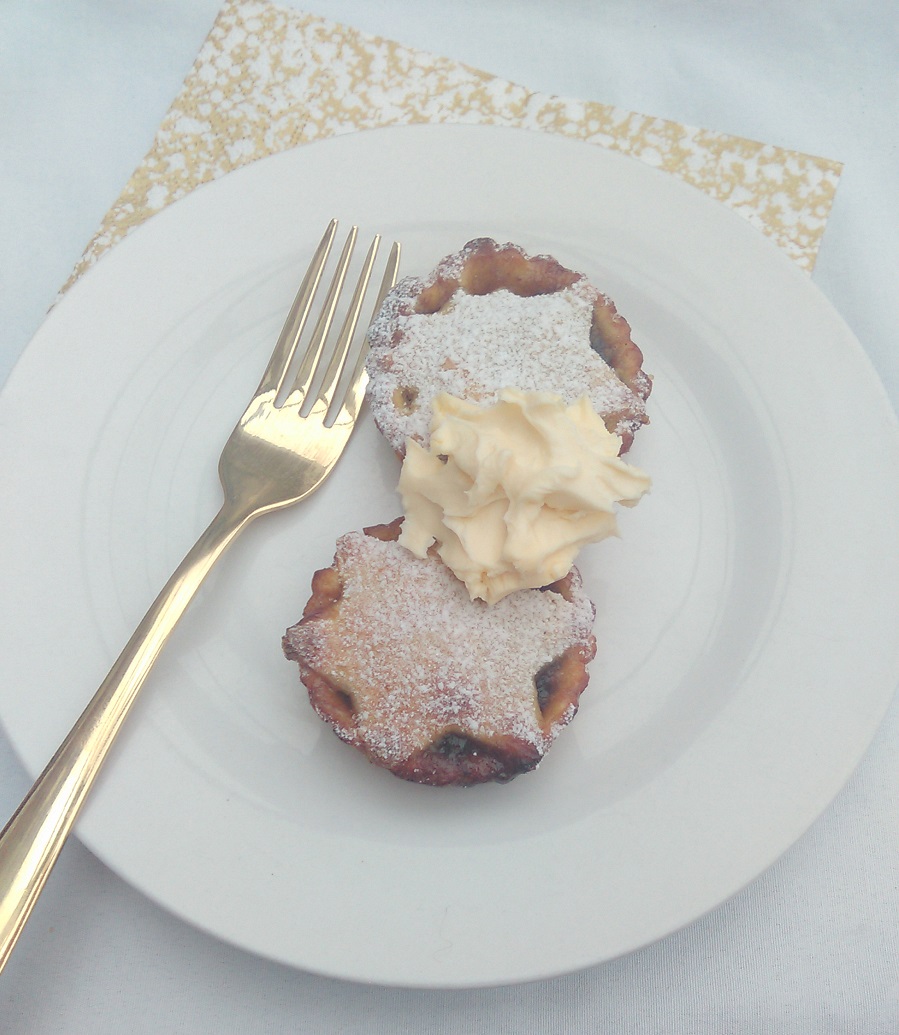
[[268, 78]]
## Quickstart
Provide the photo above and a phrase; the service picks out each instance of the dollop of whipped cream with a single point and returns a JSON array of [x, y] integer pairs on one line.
[[511, 491]]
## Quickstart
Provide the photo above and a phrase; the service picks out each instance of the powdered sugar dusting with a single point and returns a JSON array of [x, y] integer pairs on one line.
[[476, 345], [420, 658]]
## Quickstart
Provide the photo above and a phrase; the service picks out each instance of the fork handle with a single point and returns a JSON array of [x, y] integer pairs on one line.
[[33, 838]]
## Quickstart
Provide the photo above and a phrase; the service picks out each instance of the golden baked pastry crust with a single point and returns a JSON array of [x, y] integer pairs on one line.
[[511, 338], [435, 687]]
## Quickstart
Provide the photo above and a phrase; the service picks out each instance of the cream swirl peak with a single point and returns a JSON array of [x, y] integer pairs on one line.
[[510, 492]]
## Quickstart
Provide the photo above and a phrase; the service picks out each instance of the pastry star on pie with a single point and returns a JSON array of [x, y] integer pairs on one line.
[[433, 686], [490, 317]]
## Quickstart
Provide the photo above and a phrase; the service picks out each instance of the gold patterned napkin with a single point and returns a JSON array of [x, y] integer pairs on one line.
[[269, 78]]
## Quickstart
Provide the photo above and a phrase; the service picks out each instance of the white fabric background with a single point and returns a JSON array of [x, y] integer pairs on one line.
[[813, 945]]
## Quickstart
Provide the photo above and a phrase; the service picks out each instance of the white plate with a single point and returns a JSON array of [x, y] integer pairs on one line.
[[745, 619]]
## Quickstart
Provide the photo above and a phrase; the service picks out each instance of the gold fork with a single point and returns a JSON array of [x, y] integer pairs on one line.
[[277, 455]]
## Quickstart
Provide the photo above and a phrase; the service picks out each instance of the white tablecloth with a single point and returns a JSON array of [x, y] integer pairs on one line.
[[810, 947]]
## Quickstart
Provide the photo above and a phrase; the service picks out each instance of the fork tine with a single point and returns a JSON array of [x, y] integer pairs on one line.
[[309, 365], [345, 338], [274, 373], [352, 400]]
